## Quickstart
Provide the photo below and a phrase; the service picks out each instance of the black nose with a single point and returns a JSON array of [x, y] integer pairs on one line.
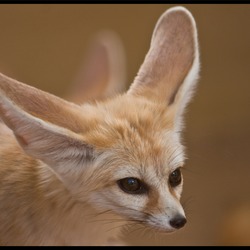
[[178, 221]]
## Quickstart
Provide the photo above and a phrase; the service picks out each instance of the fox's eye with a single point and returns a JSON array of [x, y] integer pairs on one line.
[[132, 186], [175, 178]]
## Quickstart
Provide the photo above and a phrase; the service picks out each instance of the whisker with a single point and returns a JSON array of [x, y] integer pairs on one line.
[[186, 204], [113, 220], [101, 213], [136, 229], [120, 226], [186, 169]]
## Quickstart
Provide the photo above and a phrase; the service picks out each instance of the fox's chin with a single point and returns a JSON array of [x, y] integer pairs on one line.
[[166, 231], [163, 230]]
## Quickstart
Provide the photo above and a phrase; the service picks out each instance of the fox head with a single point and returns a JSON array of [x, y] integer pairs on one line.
[[123, 153]]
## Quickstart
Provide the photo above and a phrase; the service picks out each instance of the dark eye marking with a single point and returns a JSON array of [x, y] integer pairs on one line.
[[175, 178], [132, 185]]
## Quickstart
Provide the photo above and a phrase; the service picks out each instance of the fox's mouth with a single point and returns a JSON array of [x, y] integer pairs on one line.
[[150, 227], [156, 228]]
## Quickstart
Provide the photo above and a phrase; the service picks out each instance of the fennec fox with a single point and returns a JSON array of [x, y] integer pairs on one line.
[[67, 170]]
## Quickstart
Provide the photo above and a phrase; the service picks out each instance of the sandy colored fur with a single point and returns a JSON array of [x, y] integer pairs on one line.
[[32, 195], [60, 162], [129, 136]]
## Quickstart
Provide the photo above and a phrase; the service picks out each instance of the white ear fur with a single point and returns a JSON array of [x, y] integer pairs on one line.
[[171, 66], [55, 145], [103, 72]]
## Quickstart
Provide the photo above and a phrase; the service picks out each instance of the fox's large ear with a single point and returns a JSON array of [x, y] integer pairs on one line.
[[103, 73], [47, 127], [170, 69]]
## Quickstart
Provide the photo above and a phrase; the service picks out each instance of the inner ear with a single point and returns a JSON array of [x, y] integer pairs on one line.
[[170, 58], [46, 127], [42, 105], [173, 96]]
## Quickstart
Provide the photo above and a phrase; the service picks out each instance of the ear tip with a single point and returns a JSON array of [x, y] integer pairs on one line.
[[181, 12], [111, 42], [179, 9], [107, 39], [179, 19]]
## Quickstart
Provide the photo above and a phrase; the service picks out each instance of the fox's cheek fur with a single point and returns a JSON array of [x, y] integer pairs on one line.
[[155, 209], [161, 202]]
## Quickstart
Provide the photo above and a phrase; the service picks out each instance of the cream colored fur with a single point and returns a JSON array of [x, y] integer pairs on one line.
[[60, 161]]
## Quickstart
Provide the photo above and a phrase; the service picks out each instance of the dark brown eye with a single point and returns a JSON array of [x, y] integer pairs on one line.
[[175, 178], [132, 185]]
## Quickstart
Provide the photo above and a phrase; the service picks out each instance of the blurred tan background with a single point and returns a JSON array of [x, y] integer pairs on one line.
[[44, 45]]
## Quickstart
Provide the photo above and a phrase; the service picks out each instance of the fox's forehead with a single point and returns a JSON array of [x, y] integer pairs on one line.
[[139, 133], [140, 157]]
